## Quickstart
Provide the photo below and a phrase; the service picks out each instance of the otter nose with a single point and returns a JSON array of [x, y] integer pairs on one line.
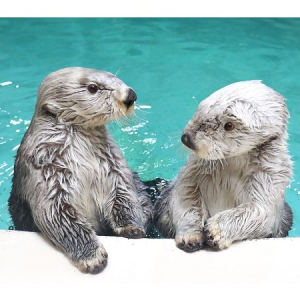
[[131, 98], [186, 140]]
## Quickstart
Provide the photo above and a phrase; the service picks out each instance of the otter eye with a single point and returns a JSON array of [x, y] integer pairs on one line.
[[229, 126], [92, 88]]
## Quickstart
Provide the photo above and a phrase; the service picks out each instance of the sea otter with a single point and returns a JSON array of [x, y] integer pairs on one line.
[[71, 181], [233, 184]]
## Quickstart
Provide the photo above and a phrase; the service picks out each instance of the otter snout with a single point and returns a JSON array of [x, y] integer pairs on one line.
[[186, 140], [130, 98]]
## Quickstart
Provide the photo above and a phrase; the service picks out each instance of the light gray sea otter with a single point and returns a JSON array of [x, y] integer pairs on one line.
[[233, 185], [71, 180]]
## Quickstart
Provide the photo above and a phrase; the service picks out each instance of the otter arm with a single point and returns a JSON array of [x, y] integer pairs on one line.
[[123, 211], [188, 213], [258, 216], [56, 218]]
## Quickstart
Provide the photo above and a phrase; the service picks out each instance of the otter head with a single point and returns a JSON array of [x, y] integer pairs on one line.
[[235, 120], [84, 97]]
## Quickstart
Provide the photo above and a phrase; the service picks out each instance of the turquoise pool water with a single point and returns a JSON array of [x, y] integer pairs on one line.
[[172, 64]]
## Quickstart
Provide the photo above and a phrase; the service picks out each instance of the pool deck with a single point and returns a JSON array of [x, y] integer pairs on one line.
[[29, 258]]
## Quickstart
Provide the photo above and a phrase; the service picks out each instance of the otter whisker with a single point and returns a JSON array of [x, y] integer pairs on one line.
[[182, 151], [136, 117], [142, 108], [120, 118], [118, 71], [118, 121]]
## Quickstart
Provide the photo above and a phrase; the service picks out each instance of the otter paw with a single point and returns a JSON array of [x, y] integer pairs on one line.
[[214, 237], [131, 232], [190, 241], [93, 265]]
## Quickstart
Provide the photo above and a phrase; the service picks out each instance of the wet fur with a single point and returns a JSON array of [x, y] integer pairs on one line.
[[233, 185], [71, 180]]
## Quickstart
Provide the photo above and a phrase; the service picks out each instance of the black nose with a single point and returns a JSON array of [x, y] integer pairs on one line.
[[186, 139], [131, 97]]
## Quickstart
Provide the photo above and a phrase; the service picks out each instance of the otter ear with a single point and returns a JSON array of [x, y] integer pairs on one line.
[[50, 108]]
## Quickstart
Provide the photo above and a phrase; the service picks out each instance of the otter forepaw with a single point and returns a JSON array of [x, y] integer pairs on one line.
[[190, 241], [214, 236], [130, 232], [93, 265]]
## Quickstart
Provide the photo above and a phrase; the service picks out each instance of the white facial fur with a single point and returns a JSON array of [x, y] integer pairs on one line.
[[257, 112]]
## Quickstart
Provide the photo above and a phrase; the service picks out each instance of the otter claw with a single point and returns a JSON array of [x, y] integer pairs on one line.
[[131, 232], [190, 242], [93, 265]]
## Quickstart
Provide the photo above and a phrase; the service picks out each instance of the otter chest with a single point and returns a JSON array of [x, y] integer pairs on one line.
[[94, 180], [224, 189]]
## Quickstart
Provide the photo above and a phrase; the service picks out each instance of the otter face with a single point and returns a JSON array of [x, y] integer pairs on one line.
[[236, 120], [85, 97]]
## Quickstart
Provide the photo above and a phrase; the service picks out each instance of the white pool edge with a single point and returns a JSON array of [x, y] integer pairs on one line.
[[28, 258]]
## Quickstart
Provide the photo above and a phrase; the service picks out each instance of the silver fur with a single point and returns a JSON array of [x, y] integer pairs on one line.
[[233, 185], [71, 180]]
